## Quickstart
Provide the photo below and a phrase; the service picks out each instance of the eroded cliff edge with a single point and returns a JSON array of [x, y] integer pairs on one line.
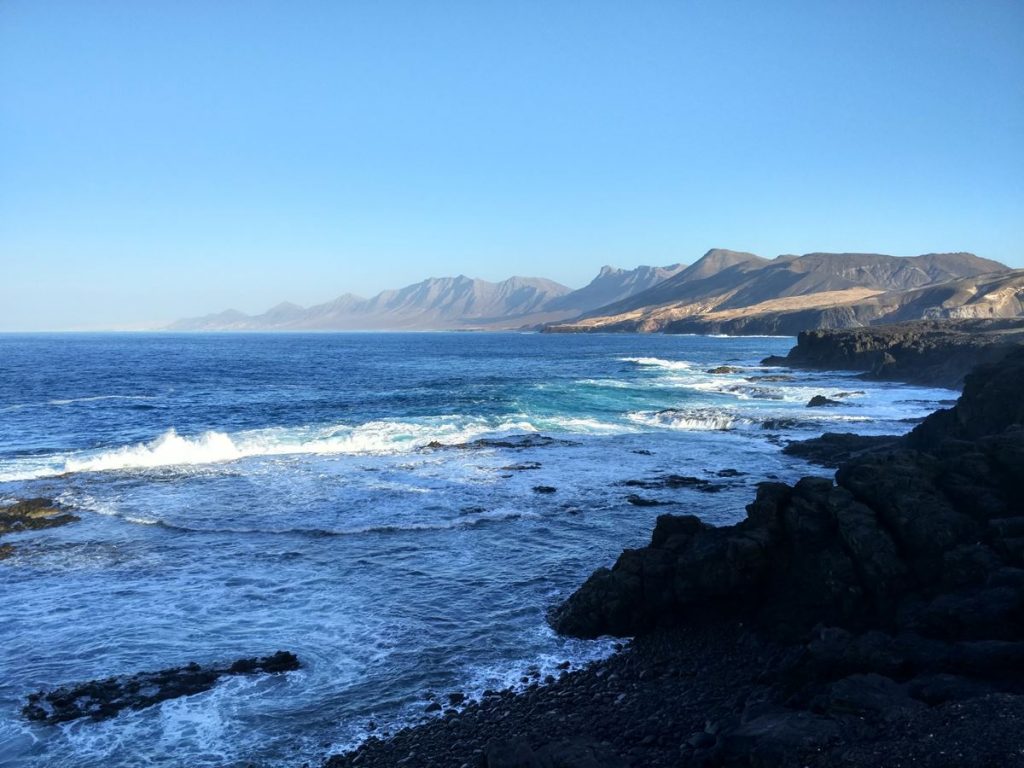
[[931, 352]]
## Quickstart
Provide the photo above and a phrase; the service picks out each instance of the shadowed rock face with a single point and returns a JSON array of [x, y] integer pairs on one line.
[[926, 533], [899, 589], [933, 352], [100, 699]]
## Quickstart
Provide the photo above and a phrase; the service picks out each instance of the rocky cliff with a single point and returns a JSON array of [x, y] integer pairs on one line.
[[934, 352], [899, 583]]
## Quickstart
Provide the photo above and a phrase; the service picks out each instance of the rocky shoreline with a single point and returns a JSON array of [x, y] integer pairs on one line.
[[877, 620], [930, 352]]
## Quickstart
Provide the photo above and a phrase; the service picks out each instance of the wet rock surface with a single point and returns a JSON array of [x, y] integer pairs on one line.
[[820, 401], [512, 442], [33, 515], [102, 699], [876, 619], [675, 482]]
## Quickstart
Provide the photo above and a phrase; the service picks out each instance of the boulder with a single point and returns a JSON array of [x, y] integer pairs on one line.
[[820, 401]]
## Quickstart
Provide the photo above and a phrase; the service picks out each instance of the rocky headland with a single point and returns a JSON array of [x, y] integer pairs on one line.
[[871, 619], [930, 352]]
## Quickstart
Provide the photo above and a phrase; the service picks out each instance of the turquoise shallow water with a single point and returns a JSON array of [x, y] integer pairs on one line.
[[244, 493]]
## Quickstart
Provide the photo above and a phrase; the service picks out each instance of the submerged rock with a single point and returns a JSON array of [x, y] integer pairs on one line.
[[512, 442], [102, 699], [820, 401], [640, 501], [33, 515], [674, 482]]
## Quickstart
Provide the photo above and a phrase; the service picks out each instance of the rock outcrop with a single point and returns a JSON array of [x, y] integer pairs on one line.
[[101, 699], [931, 352], [900, 585], [31, 515]]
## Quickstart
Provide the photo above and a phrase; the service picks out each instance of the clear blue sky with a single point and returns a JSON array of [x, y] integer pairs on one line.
[[162, 159]]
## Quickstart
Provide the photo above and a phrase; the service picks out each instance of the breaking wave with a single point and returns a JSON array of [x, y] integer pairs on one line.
[[698, 419], [657, 362], [173, 450]]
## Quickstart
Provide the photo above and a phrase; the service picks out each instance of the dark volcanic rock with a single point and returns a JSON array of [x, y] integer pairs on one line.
[[578, 753], [934, 352], [820, 401], [902, 526], [100, 699], [833, 448], [33, 515], [674, 482], [640, 501], [913, 556], [512, 442]]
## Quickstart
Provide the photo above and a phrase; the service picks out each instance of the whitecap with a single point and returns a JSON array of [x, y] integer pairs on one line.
[[170, 449], [657, 362], [696, 419]]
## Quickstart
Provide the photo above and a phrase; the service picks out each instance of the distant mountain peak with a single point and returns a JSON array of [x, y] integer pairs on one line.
[[734, 289]]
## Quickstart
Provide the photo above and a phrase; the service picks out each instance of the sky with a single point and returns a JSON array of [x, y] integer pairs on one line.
[[164, 159]]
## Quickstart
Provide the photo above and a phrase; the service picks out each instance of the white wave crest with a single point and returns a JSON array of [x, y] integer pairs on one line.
[[657, 362], [171, 449], [167, 450], [698, 419], [580, 425]]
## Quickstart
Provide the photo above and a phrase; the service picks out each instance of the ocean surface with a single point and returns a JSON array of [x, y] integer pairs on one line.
[[241, 494]]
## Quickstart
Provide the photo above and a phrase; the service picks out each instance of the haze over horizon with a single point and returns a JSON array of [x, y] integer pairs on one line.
[[168, 160]]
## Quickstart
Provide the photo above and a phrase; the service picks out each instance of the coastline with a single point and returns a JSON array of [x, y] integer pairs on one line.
[[735, 675]]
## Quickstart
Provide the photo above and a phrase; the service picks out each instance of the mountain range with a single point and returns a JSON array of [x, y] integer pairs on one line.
[[446, 303], [724, 291], [741, 293]]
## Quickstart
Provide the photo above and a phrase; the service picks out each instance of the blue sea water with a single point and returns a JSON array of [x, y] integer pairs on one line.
[[241, 494]]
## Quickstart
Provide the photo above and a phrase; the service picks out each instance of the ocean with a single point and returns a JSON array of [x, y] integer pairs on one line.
[[399, 510]]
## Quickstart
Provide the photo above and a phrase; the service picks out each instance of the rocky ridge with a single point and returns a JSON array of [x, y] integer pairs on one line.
[[742, 294], [931, 352], [445, 303]]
